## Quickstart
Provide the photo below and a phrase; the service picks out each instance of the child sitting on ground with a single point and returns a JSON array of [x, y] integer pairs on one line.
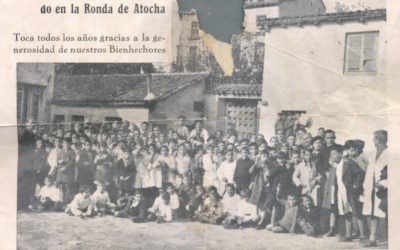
[[211, 211], [308, 219], [48, 198], [196, 202], [163, 213], [289, 219], [82, 204], [101, 200], [174, 199]]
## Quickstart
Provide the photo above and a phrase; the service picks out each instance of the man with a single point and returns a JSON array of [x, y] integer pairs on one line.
[[181, 129], [373, 204], [199, 131], [66, 170], [242, 176]]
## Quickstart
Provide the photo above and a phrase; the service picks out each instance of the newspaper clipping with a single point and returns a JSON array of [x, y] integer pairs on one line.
[[208, 124]]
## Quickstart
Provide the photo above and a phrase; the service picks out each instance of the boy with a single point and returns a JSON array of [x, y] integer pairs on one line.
[[289, 219], [174, 199], [48, 198], [101, 200], [163, 213], [230, 207], [82, 204]]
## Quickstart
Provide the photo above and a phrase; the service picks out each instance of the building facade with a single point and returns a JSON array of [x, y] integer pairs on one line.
[[34, 89], [330, 67], [158, 98]]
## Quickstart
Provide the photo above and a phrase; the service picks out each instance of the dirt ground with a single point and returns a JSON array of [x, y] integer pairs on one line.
[[60, 231]]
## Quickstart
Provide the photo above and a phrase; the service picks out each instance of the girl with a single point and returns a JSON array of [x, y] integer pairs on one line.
[[182, 164], [211, 211]]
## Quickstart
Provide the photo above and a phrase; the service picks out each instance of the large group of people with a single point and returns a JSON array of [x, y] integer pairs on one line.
[[292, 183]]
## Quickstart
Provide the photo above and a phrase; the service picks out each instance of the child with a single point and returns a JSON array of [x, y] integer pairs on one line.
[[230, 207], [196, 202], [48, 198], [163, 213], [226, 171], [101, 200], [289, 219], [184, 192], [308, 216], [124, 173], [247, 216], [174, 199], [209, 167], [211, 211], [258, 194], [82, 204], [137, 208]]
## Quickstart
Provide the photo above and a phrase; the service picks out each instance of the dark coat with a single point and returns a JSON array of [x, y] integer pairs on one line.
[[124, 171], [66, 166], [353, 179], [85, 167]]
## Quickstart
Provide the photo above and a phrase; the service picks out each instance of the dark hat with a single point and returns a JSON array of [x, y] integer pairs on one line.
[[338, 148], [316, 138]]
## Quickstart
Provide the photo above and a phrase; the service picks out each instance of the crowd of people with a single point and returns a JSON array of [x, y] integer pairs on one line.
[[292, 183]]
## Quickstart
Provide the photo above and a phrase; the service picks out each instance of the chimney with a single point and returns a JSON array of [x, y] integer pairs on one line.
[[150, 96]]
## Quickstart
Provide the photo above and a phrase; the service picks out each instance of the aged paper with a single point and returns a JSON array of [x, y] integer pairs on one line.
[[139, 125]]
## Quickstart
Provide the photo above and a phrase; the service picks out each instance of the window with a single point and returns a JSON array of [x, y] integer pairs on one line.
[[35, 103], [58, 121], [361, 52], [198, 106], [194, 34], [112, 119], [77, 118], [20, 103]]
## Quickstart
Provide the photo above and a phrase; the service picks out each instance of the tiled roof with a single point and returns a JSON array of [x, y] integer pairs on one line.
[[118, 89], [238, 90], [340, 17]]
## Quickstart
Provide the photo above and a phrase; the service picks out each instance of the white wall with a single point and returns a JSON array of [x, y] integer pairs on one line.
[[303, 70], [97, 114]]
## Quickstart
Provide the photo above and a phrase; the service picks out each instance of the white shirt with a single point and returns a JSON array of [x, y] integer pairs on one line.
[[231, 204], [174, 201], [101, 199], [51, 192]]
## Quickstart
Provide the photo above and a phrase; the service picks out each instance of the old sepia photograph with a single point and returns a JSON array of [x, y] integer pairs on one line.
[[278, 142]]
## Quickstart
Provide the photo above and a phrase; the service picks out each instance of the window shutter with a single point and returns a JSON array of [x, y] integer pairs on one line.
[[369, 63], [354, 52]]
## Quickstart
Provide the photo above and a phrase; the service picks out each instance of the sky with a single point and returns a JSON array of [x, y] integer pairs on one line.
[[223, 18]]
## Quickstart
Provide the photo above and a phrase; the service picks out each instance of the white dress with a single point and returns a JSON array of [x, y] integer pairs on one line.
[[343, 202]]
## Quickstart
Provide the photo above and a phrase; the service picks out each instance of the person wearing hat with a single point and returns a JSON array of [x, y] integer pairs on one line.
[[66, 170]]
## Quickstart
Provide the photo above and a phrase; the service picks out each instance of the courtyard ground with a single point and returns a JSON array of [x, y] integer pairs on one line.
[[60, 231]]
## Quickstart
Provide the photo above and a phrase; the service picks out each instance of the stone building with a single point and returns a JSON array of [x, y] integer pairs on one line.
[[133, 97]]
